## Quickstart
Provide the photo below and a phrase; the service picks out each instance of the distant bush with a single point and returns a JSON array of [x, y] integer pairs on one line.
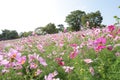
[[25, 34], [50, 28], [7, 34]]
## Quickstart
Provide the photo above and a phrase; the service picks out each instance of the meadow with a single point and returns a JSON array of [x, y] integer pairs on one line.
[[92, 54]]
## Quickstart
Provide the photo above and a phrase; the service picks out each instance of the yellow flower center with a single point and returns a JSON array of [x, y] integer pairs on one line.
[[100, 44], [23, 61], [14, 55]]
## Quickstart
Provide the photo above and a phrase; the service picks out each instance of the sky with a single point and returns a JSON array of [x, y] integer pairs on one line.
[[26, 15]]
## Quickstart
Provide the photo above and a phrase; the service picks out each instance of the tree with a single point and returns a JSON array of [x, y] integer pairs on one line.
[[26, 34], [40, 31], [74, 19], [118, 6], [69, 29], [7, 34], [50, 28], [61, 27], [0, 37], [13, 34], [94, 19]]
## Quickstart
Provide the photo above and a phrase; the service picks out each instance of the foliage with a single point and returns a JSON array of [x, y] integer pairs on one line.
[[69, 29], [26, 34], [0, 36], [61, 27], [118, 6], [7, 34], [74, 19], [94, 19], [78, 19], [50, 28], [40, 31]]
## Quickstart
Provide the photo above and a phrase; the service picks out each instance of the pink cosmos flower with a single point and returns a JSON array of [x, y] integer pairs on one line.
[[34, 34], [18, 66], [60, 61], [36, 57], [4, 62], [61, 44], [65, 30], [37, 72], [42, 61], [111, 28], [82, 45], [5, 71], [56, 78], [21, 60], [51, 75], [10, 64], [109, 36], [73, 45], [68, 69], [117, 38], [91, 70], [99, 44], [97, 31], [32, 57], [110, 47], [83, 35], [90, 44], [40, 47], [88, 61], [14, 54], [19, 48], [118, 32], [117, 53], [74, 54], [1, 57], [33, 66]]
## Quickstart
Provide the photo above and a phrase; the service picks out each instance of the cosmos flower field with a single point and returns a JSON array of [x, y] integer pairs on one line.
[[84, 55]]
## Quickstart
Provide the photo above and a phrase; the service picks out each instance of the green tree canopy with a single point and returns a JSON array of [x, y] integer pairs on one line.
[[50, 28], [78, 18], [7, 34], [74, 19], [40, 31], [61, 27], [26, 34], [13, 34], [94, 19]]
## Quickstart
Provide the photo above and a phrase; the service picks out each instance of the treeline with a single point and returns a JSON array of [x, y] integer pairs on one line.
[[7, 34], [13, 34], [50, 28], [76, 21]]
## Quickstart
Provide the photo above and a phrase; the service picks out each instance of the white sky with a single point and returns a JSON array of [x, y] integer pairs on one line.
[[26, 15]]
